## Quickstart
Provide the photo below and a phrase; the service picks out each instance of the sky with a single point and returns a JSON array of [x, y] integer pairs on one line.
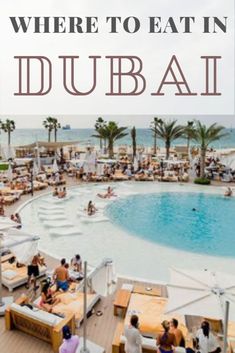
[[143, 121]]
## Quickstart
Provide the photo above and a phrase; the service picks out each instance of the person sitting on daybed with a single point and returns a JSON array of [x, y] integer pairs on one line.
[[61, 276], [48, 298]]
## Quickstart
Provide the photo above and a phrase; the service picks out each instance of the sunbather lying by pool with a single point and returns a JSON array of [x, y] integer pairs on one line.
[[108, 194], [91, 209], [228, 192]]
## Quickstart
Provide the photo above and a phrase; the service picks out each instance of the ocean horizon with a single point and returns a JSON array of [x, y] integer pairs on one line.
[[84, 137]]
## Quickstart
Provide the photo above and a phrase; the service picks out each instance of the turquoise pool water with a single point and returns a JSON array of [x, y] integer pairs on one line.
[[168, 218]]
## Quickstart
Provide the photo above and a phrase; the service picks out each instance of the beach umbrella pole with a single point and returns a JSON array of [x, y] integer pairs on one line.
[[84, 349], [226, 318]]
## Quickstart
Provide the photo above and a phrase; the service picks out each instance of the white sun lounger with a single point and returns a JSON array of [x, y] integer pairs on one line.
[[56, 224], [51, 208], [64, 231], [49, 217], [51, 212], [94, 219]]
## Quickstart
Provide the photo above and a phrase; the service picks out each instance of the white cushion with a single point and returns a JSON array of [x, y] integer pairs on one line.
[[39, 315], [128, 286], [147, 343], [9, 274]]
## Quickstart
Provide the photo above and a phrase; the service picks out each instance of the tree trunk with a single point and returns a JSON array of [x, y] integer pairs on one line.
[[101, 144], [188, 144], [203, 162], [110, 147], [168, 146], [155, 143], [55, 134], [105, 146], [49, 135], [9, 137]]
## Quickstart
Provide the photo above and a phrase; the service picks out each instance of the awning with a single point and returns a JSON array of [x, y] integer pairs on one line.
[[45, 144]]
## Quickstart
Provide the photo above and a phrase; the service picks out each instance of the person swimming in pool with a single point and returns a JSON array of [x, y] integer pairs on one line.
[[108, 194]]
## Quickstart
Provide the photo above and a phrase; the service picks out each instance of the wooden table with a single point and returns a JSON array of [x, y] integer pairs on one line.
[[121, 301], [143, 290]]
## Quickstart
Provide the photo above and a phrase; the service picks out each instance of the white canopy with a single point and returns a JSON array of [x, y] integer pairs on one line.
[[89, 162], [9, 173], [201, 293], [55, 168], [22, 244]]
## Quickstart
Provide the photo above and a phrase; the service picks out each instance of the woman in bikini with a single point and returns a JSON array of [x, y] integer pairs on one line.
[[48, 298]]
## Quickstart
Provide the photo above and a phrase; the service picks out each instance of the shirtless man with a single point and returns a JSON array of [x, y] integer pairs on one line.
[[179, 337], [61, 276], [33, 270]]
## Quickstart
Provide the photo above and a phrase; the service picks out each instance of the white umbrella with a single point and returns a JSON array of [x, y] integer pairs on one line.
[[135, 164], [9, 173], [55, 168], [89, 162], [202, 293], [35, 169]]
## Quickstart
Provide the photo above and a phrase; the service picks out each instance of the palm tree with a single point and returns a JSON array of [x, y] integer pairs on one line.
[[153, 126], [100, 123], [168, 131], [111, 132], [48, 124], [204, 136], [8, 126], [133, 137], [189, 133], [55, 125]]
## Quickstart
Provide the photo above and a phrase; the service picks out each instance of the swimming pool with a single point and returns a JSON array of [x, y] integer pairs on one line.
[[148, 228], [195, 222]]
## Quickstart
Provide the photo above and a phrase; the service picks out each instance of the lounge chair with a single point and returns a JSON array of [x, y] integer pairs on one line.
[[71, 303], [144, 177], [119, 176], [13, 277], [38, 323]]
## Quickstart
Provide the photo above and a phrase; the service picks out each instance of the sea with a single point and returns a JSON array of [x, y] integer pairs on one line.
[[84, 137]]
